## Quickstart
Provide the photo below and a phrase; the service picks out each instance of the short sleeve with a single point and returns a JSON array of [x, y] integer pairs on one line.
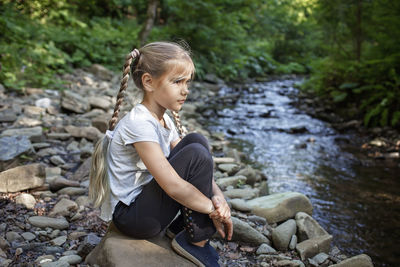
[[139, 130]]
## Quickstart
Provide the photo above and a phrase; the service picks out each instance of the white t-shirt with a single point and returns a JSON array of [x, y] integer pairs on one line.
[[126, 172]]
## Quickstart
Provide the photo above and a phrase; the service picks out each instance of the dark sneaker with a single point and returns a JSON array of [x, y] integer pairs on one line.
[[205, 256], [175, 227]]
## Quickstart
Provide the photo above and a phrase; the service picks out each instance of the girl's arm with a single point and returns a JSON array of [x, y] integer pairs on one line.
[[169, 180], [174, 143]]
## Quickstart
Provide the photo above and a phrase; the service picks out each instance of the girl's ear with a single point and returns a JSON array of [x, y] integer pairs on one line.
[[147, 82]]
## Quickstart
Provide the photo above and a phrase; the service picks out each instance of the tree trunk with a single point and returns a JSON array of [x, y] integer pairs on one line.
[[148, 25], [358, 32]]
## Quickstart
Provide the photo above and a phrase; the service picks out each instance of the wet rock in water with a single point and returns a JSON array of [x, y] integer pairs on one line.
[[72, 191], [101, 72], [60, 182], [361, 260], [250, 174], [282, 234], [298, 130], [281, 206], [117, 249], [22, 178], [240, 204], [34, 133], [311, 247], [43, 222], [245, 193], [265, 249], [89, 132], [229, 168], [233, 181], [242, 231], [13, 146], [308, 227], [64, 207], [26, 199], [74, 102]]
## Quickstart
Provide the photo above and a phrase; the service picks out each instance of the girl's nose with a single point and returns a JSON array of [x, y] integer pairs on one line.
[[185, 90]]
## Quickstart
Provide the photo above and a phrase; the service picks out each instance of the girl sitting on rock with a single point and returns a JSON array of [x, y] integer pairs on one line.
[[144, 145]]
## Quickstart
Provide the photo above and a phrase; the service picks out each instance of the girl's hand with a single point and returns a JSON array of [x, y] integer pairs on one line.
[[222, 211], [224, 228]]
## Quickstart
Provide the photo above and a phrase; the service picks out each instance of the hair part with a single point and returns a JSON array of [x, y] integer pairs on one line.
[[153, 58]]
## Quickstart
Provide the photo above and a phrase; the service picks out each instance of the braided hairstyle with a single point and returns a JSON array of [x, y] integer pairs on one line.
[[153, 58]]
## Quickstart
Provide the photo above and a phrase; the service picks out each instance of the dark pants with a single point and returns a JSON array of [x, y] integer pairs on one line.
[[153, 210]]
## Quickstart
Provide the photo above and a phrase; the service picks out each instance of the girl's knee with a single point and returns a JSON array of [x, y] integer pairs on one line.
[[197, 138]]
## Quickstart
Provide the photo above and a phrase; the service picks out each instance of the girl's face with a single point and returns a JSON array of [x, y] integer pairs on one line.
[[171, 89]]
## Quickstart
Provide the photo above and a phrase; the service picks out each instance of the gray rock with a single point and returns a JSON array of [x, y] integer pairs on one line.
[[83, 201], [7, 116], [265, 249], [61, 182], [280, 207], [233, 180], [242, 231], [74, 102], [43, 102], [308, 227], [52, 173], [64, 207], [245, 193], [101, 72], [293, 242], [33, 111], [34, 133], [83, 171], [223, 160], [28, 236], [44, 258], [13, 236], [320, 258], [311, 247], [26, 199], [91, 240], [57, 160], [257, 219], [282, 234], [90, 132], [289, 263], [240, 204], [55, 264], [43, 222], [58, 136], [13, 146], [229, 168], [72, 191], [361, 260], [117, 249], [22, 178], [101, 123], [59, 241], [102, 102], [251, 175], [71, 259], [27, 122]]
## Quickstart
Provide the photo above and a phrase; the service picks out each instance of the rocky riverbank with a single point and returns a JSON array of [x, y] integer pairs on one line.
[[46, 142]]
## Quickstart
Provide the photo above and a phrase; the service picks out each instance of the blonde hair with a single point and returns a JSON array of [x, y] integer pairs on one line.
[[152, 58]]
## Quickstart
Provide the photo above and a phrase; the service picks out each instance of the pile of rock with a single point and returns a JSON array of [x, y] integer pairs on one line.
[[46, 141]]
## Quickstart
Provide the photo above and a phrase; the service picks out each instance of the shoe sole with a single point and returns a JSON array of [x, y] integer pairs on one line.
[[181, 251], [169, 234]]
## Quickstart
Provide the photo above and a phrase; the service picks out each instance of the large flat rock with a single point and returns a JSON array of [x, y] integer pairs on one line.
[[116, 249], [361, 260], [280, 207], [22, 178]]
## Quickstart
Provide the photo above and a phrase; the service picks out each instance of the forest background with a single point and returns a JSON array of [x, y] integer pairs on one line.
[[347, 49]]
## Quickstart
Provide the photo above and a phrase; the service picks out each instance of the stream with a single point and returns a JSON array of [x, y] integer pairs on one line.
[[356, 199]]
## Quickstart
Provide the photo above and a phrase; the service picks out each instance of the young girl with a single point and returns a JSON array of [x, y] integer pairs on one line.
[[143, 172]]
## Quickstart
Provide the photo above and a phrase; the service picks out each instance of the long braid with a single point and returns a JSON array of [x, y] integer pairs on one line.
[[124, 84], [182, 130]]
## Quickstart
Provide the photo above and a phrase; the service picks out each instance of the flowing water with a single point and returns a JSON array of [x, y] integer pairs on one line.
[[355, 199]]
